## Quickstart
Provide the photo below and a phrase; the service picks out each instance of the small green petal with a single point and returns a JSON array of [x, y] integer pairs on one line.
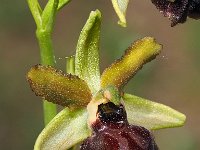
[[151, 115], [66, 129], [120, 7], [122, 70], [87, 52], [53, 85]]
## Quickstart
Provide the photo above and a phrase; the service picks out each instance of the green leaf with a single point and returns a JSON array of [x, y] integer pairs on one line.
[[120, 7], [122, 70], [151, 115], [56, 87], [48, 15], [66, 129], [36, 11], [87, 52], [62, 3]]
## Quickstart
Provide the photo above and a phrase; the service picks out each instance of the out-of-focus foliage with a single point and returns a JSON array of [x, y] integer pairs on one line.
[[173, 78]]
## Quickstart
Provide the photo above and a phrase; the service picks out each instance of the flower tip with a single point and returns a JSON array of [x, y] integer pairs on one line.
[[182, 119], [122, 24], [151, 42], [96, 13], [31, 72]]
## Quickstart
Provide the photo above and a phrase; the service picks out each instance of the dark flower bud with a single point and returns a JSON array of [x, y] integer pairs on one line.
[[111, 131], [178, 10]]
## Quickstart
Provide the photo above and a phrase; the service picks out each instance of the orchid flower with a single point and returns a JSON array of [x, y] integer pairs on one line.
[[89, 98]]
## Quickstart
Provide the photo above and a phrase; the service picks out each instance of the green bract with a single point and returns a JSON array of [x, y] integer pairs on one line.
[[86, 88]]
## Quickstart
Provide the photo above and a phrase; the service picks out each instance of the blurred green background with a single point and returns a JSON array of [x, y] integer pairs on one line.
[[172, 79]]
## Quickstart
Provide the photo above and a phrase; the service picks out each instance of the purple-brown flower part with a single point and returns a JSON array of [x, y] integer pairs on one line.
[[194, 9], [111, 131], [179, 10]]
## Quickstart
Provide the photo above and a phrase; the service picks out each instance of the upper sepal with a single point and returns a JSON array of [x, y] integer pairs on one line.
[[59, 88], [151, 115], [87, 52]]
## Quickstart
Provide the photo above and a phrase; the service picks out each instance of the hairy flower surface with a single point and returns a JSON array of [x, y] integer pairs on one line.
[[97, 111], [178, 10]]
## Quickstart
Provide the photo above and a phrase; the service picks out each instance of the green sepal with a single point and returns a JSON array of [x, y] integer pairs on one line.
[[59, 88], [122, 70], [120, 7], [87, 52], [48, 15], [66, 129], [151, 115]]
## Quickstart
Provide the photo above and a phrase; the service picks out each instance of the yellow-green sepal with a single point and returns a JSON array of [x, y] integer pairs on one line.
[[151, 115], [122, 70], [54, 86]]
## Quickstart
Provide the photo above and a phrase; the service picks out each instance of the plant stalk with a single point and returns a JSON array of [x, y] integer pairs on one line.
[[47, 58], [70, 66]]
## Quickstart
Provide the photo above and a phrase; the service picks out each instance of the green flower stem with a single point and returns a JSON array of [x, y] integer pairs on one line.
[[49, 110], [46, 48], [44, 20], [47, 58], [70, 66]]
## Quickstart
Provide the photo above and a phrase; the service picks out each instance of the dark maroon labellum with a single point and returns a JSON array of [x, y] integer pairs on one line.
[[111, 131], [179, 10]]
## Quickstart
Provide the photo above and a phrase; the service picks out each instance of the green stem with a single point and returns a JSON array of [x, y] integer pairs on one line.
[[70, 66], [47, 58], [46, 47]]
